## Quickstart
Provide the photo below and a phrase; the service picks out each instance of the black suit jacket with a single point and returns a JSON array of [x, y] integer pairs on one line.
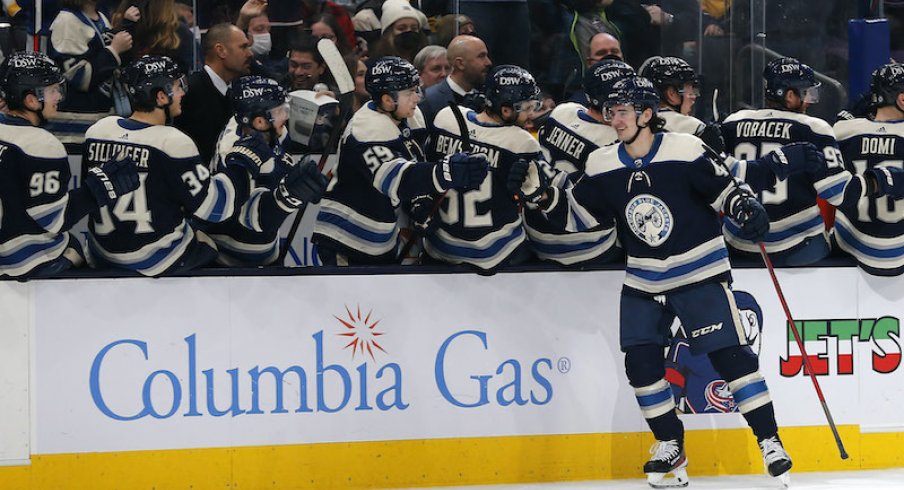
[[204, 113], [435, 98]]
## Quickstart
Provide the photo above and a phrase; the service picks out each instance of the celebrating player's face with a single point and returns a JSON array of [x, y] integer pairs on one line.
[[176, 100], [280, 115], [623, 119], [407, 101], [53, 95], [690, 93]]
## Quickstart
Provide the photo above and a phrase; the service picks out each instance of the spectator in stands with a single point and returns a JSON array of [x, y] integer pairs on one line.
[[206, 107], [82, 43], [432, 64], [470, 63], [325, 26], [311, 8], [402, 31], [451, 25], [159, 31], [261, 45], [306, 67], [361, 94], [603, 45]]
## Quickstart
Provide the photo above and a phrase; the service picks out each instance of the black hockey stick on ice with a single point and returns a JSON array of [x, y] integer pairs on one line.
[[333, 60], [465, 147], [800, 344]]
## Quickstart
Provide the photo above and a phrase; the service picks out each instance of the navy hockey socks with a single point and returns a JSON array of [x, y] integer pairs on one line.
[[645, 368], [739, 366]]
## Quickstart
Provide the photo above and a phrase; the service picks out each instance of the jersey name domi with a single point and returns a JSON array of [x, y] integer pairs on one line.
[[104, 152], [878, 146], [764, 129]]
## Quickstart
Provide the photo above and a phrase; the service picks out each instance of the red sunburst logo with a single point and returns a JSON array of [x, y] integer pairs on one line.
[[362, 333]]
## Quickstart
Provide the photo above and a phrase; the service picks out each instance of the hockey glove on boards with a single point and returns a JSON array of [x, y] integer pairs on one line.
[[303, 184], [750, 215], [527, 181], [250, 152], [111, 180], [460, 171], [795, 158], [887, 181]]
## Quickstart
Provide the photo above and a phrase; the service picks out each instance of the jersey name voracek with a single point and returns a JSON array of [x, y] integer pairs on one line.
[[251, 236], [146, 230], [873, 230], [666, 208], [791, 204], [35, 206], [566, 140], [676, 122], [480, 227], [380, 166]]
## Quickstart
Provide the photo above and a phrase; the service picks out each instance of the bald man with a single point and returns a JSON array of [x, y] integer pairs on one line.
[[470, 63], [602, 45]]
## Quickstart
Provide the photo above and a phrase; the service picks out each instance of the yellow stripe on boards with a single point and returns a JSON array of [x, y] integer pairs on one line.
[[440, 462]]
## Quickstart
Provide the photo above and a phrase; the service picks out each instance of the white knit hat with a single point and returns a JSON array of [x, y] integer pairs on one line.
[[394, 10]]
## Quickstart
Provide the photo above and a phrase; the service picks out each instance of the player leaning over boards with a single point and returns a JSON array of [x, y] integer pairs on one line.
[[873, 231], [665, 192], [570, 134], [36, 207], [276, 186], [149, 230], [382, 165]]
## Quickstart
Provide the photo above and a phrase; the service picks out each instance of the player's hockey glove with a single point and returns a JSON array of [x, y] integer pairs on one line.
[[527, 182], [712, 136], [460, 171], [303, 184], [111, 180], [750, 215], [885, 181], [422, 214], [251, 152], [795, 158]]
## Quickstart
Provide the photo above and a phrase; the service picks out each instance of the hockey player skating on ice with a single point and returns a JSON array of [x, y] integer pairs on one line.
[[252, 140], [873, 230], [696, 385], [665, 193], [36, 207], [482, 227], [570, 134], [381, 165]]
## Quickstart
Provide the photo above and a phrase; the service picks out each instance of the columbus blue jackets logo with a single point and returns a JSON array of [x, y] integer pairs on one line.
[[650, 219], [718, 397]]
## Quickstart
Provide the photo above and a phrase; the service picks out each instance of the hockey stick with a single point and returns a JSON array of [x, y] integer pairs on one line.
[[794, 331], [333, 60], [465, 147]]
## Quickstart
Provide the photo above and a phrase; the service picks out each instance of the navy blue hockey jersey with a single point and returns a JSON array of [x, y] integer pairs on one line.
[[793, 213], [380, 166], [147, 230], [567, 139], [480, 227], [666, 208], [35, 205], [872, 230], [251, 236]]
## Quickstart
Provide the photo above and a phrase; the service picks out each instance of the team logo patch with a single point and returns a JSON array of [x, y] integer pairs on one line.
[[650, 219], [718, 397]]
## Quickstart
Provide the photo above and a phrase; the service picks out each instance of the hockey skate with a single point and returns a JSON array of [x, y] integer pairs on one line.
[[668, 458], [775, 459]]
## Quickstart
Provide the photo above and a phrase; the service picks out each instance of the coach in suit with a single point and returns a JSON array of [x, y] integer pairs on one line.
[[470, 63], [207, 107]]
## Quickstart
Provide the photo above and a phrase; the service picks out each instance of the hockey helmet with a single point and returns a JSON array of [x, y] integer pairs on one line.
[[785, 74], [149, 74], [254, 96], [24, 73], [636, 91], [390, 74], [887, 83], [601, 77], [507, 85], [669, 71]]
